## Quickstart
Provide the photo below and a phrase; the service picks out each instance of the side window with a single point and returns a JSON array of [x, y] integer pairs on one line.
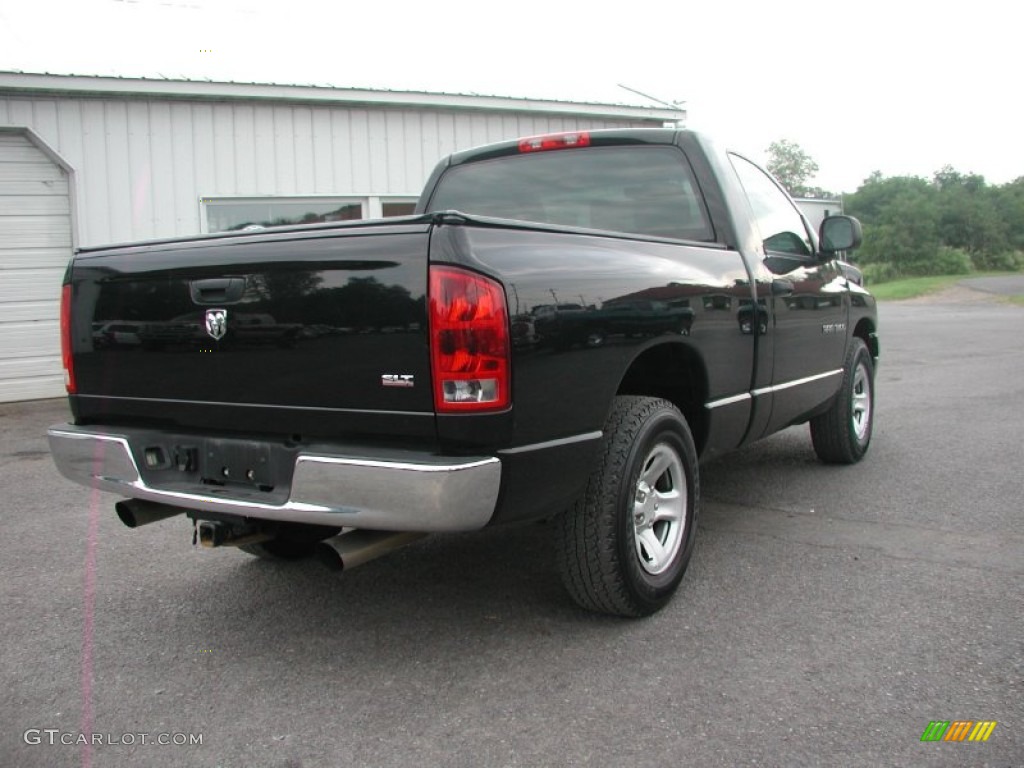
[[780, 223]]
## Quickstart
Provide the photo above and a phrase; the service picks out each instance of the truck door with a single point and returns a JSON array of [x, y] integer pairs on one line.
[[809, 306]]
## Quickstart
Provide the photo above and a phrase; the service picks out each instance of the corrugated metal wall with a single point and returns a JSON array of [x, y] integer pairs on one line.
[[35, 245], [142, 164]]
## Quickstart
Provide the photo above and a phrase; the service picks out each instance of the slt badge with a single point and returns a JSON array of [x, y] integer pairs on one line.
[[217, 323]]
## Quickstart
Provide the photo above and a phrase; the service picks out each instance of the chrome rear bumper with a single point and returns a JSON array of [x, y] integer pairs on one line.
[[414, 493]]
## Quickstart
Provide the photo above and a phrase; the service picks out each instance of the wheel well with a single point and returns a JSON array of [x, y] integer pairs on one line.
[[676, 373], [865, 330]]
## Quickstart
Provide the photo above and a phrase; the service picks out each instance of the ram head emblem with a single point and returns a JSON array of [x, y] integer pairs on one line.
[[217, 323]]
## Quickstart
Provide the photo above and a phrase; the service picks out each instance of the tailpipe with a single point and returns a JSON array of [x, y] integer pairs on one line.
[[136, 512], [347, 550]]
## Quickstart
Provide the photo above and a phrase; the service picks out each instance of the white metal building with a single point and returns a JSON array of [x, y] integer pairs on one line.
[[94, 160], [817, 210]]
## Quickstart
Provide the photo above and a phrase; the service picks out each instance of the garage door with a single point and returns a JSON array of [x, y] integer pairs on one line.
[[35, 245]]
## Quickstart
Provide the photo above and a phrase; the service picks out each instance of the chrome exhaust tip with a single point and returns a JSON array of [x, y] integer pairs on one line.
[[136, 512], [353, 548]]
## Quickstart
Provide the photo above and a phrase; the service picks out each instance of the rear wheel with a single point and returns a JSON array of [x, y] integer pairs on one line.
[[625, 544], [842, 434]]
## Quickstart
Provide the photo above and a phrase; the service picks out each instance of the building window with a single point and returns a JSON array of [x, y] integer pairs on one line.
[[389, 209], [231, 214]]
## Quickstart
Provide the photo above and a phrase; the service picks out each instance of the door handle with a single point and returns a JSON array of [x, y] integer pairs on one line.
[[217, 290]]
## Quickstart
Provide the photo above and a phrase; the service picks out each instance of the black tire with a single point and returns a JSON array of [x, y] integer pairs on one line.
[[615, 554], [291, 542], [842, 434]]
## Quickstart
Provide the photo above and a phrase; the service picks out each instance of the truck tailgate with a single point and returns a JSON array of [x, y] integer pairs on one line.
[[319, 331]]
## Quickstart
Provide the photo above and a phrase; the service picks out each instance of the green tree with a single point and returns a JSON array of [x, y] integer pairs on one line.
[[877, 194], [969, 215], [1009, 205], [793, 167], [901, 221], [946, 225]]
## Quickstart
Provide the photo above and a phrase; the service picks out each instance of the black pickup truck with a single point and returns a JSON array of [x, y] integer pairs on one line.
[[563, 330]]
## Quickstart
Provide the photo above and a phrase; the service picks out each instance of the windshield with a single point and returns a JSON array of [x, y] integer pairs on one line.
[[637, 190]]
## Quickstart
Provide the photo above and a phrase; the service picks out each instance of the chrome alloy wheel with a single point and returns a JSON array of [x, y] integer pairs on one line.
[[659, 509], [860, 407]]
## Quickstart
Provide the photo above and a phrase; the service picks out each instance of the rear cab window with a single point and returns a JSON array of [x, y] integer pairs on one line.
[[642, 190]]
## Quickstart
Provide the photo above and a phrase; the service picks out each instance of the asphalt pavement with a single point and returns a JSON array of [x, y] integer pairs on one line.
[[830, 614], [1006, 285]]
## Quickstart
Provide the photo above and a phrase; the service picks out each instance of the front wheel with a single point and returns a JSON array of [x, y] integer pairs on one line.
[[842, 434], [624, 545]]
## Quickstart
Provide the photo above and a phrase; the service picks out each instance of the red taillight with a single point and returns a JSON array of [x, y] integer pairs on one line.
[[65, 339], [554, 141], [469, 343]]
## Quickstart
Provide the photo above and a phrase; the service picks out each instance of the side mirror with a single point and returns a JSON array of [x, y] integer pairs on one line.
[[839, 233]]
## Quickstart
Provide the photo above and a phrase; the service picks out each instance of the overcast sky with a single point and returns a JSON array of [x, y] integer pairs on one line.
[[898, 86]]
